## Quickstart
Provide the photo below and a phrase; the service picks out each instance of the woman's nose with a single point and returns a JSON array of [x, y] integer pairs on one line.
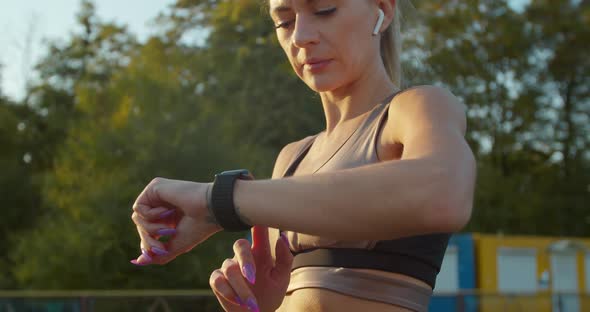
[[304, 33]]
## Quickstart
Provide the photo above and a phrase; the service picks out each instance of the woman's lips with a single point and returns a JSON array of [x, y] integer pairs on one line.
[[316, 65]]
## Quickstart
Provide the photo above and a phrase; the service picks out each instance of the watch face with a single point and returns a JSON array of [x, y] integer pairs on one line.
[[243, 173], [236, 171]]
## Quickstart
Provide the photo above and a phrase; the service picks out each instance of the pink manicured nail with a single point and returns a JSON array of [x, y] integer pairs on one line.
[[250, 274], [159, 252], [166, 214], [146, 255], [134, 261], [166, 232], [284, 237], [252, 306]]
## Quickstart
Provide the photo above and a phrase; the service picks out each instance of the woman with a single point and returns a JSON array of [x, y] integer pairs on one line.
[[366, 206]]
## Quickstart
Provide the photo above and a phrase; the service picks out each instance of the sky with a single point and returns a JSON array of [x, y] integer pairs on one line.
[[54, 19]]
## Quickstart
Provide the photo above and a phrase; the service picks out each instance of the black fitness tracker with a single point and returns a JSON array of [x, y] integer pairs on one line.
[[220, 200]]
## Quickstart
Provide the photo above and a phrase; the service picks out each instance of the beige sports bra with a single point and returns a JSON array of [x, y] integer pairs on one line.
[[359, 150]]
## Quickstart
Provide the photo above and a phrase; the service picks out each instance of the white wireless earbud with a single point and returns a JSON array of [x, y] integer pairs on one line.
[[379, 23]]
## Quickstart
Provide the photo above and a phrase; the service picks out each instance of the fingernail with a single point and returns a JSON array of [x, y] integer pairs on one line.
[[239, 301], [250, 274], [134, 261], [166, 214], [284, 237], [146, 255], [166, 232], [252, 306], [159, 252]]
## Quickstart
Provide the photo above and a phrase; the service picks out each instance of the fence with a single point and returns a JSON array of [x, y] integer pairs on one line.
[[203, 300], [109, 300]]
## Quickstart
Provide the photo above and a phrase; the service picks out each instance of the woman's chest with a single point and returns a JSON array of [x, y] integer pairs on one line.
[[361, 151]]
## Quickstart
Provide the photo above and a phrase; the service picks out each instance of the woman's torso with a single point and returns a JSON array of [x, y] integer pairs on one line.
[[364, 147]]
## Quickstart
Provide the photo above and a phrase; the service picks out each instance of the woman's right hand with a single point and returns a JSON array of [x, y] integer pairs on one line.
[[252, 280]]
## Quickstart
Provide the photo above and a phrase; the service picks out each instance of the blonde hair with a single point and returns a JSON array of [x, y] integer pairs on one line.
[[391, 48]]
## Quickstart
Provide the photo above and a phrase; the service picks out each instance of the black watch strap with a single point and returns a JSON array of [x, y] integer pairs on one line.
[[221, 200]]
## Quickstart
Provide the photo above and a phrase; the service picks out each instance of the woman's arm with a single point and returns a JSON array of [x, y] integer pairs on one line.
[[430, 190]]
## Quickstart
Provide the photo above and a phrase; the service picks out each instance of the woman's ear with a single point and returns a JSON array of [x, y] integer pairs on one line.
[[388, 7]]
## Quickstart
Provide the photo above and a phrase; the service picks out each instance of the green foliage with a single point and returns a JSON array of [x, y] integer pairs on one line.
[[18, 184], [247, 78], [528, 102]]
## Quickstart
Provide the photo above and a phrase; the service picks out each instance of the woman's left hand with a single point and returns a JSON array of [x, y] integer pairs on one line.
[[171, 218]]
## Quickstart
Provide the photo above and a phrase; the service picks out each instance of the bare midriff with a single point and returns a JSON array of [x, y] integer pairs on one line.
[[323, 300]]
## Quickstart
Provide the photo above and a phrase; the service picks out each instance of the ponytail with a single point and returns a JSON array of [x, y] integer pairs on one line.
[[391, 48]]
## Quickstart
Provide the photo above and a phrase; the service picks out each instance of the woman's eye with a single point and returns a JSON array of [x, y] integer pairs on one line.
[[284, 24], [326, 12], [321, 13]]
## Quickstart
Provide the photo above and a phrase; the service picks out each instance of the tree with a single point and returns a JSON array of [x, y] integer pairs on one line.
[[18, 188], [561, 35], [499, 61], [141, 121], [249, 82]]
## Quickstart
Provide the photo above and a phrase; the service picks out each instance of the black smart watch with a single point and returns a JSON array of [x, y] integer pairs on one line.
[[220, 200]]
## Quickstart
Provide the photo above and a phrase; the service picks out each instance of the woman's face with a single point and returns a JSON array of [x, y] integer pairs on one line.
[[328, 42]]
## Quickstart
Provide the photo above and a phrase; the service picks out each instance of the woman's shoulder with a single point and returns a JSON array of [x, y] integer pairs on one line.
[[426, 105], [417, 101], [425, 94], [287, 153]]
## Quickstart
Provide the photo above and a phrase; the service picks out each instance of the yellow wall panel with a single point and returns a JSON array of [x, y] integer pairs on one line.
[[487, 276]]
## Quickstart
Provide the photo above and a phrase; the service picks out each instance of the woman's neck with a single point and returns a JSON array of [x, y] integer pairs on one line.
[[355, 99]]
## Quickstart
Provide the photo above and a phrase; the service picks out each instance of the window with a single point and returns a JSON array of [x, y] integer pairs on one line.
[[517, 269], [448, 277]]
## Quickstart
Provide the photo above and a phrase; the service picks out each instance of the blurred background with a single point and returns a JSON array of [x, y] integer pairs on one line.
[[99, 97]]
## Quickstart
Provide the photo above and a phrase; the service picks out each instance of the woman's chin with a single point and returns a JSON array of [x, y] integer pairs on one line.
[[322, 85]]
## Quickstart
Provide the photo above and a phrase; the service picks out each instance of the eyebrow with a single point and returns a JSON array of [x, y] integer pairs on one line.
[[283, 8]]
